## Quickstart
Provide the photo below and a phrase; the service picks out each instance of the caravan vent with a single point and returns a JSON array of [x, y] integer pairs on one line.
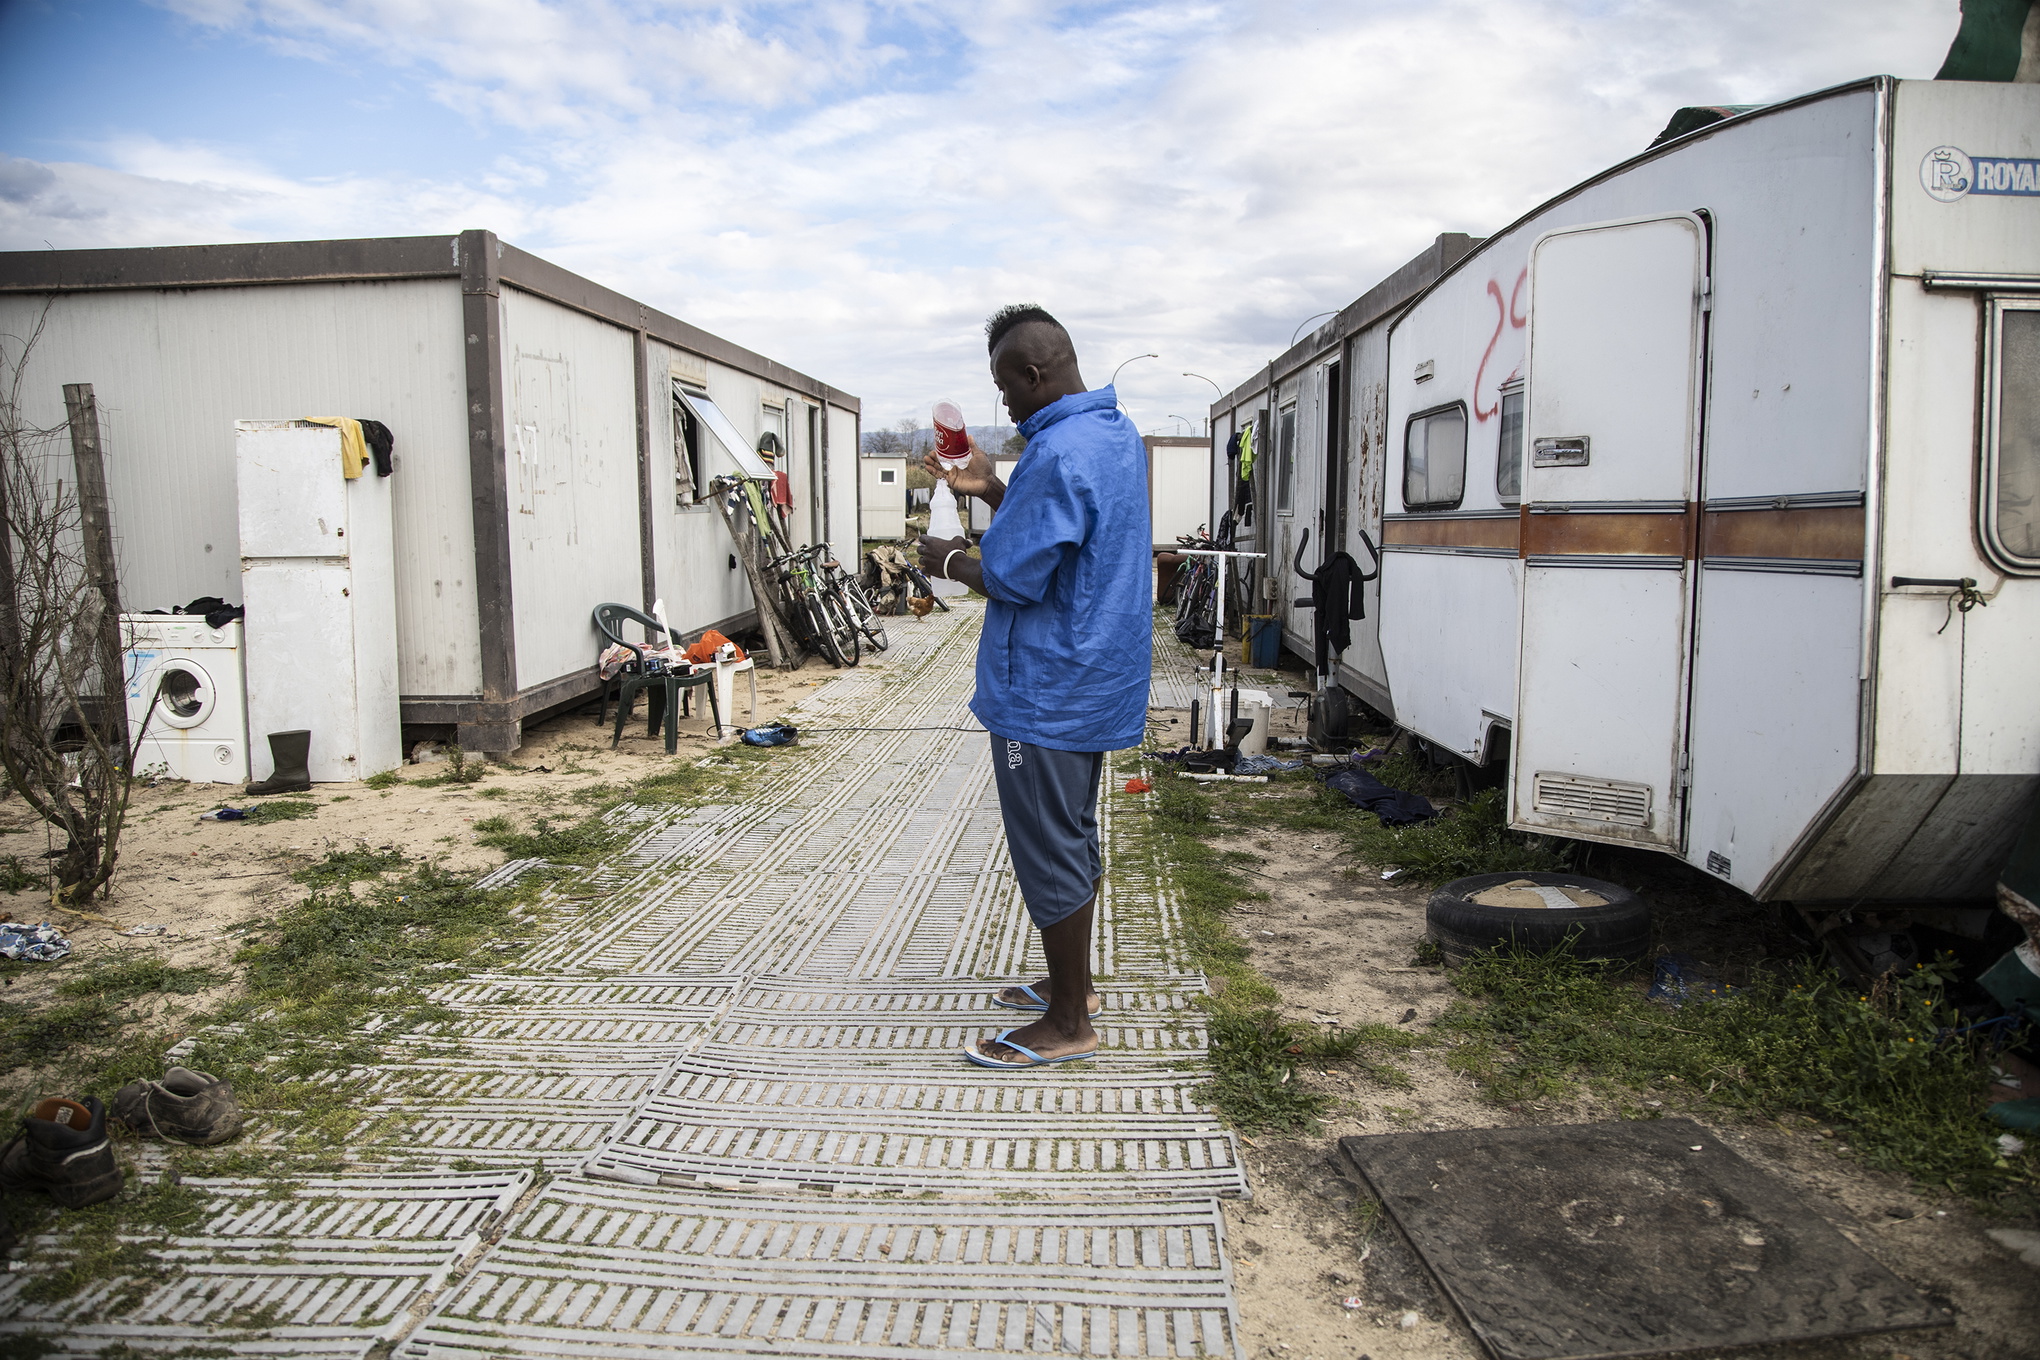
[[1592, 800]]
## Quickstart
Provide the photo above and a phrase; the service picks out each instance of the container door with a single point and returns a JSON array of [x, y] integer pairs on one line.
[[1615, 380]]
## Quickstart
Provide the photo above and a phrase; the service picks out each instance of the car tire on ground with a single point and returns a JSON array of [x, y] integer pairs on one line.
[[1617, 929]]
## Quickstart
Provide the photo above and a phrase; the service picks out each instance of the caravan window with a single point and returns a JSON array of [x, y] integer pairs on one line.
[[2012, 442], [1285, 460], [887, 476], [1509, 449], [1434, 459]]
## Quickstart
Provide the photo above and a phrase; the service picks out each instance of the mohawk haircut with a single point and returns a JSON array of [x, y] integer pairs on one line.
[[1014, 314]]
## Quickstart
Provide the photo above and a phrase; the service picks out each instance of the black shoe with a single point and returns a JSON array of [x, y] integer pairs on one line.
[[291, 754], [62, 1150], [184, 1107]]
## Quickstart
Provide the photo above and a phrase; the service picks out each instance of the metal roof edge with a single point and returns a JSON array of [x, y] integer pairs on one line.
[[1392, 292], [542, 278], [361, 259], [1878, 84], [373, 260]]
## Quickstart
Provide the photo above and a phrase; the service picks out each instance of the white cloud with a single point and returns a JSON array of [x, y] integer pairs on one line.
[[851, 186]]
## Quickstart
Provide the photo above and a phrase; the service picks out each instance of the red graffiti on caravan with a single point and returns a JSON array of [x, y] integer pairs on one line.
[[1506, 313]]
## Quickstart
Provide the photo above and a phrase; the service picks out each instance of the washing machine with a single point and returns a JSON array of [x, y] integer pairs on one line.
[[186, 682]]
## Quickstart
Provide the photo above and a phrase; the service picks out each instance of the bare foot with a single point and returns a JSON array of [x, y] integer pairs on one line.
[[1014, 997], [1045, 1039]]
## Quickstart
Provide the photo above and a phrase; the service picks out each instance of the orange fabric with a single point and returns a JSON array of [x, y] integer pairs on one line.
[[703, 652]]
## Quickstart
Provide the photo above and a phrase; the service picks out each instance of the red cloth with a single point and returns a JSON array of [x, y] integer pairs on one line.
[[782, 492]]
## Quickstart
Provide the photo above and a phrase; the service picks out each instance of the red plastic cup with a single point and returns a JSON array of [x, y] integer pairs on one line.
[[952, 441]]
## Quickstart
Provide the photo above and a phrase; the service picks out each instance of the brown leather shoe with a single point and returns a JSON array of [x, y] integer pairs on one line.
[[185, 1107]]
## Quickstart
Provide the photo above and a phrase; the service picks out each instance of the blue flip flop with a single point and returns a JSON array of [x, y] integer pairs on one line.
[[970, 1050], [1036, 1002]]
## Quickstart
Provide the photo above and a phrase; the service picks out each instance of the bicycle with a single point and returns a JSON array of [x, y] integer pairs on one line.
[[845, 586], [891, 578], [818, 611]]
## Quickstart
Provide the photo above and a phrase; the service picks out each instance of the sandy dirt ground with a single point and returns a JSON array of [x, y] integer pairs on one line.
[[203, 881], [1340, 944]]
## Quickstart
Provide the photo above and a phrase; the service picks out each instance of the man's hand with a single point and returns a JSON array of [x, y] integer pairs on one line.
[[962, 567], [974, 478], [933, 550]]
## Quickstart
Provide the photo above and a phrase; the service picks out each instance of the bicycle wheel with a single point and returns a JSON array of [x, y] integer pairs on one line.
[[864, 614], [824, 640], [843, 629]]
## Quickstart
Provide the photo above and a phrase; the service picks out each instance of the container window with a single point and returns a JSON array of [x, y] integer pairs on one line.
[[1509, 450], [687, 489], [737, 448], [1285, 460], [888, 476], [2011, 502], [1434, 459]]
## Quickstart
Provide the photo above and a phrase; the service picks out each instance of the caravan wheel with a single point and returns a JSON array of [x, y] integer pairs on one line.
[[1538, 912]]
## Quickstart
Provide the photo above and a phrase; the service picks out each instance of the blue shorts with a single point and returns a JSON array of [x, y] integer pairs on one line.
[[1048, 800]]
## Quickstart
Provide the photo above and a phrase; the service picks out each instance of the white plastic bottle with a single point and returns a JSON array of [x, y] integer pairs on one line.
[[944, 522]]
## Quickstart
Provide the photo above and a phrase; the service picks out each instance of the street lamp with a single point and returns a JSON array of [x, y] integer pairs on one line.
[[1306, 321], [1214, 387], [1186, 423], [1115, 372]]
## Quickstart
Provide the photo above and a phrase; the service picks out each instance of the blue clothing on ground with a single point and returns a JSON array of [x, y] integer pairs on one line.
[[1069, 628], [1048, 801]]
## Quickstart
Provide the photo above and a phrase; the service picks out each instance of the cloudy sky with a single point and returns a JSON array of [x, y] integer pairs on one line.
[[850, 185]]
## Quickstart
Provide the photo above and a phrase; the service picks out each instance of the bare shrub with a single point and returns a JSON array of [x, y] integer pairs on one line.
[[63, 729]]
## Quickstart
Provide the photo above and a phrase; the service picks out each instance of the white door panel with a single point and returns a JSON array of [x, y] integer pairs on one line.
[[1603, 652], [1611, 357], [1614, 379]]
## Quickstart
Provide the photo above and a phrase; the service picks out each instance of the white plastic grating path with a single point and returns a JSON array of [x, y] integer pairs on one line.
[[740, 1066]]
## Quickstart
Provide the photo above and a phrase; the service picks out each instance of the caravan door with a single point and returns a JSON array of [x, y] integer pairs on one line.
[[1615, 380]]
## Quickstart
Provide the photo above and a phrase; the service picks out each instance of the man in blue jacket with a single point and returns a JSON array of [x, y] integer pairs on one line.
[[1062, 667]]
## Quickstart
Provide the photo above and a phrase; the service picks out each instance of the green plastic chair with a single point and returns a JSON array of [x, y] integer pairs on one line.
[[667, 699]]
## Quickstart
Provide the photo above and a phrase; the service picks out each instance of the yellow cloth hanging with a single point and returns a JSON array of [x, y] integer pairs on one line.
[[353, 446]]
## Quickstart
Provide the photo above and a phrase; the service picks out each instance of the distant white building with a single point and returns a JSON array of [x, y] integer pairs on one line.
[[1179, 481], [882, 497]]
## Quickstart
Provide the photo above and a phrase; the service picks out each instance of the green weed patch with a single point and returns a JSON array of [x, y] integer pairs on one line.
[[459, 770], [349, 866], [581, 842], [16, 876], [281, 810], [1471, 838], [1881, 1069], [124, 979]]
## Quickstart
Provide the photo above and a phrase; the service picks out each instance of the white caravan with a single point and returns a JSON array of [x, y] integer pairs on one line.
[[1687, 470]]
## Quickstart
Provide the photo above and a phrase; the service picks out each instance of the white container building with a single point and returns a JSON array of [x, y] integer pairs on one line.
[[1179, 482], [554, 439], [882, 497]]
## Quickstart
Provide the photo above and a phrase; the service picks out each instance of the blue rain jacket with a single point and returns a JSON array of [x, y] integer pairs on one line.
[[1069, 629]]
